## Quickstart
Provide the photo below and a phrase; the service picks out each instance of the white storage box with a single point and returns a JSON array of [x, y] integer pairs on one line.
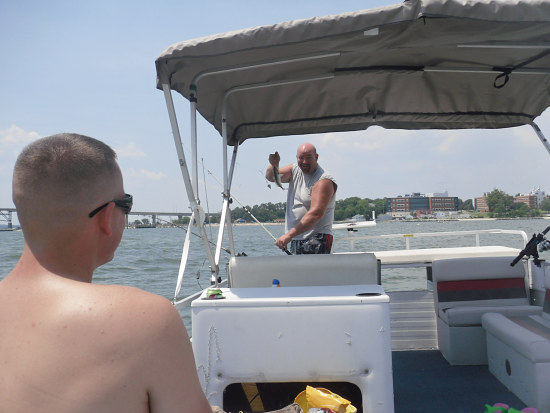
[[518, 349], [296, 334]]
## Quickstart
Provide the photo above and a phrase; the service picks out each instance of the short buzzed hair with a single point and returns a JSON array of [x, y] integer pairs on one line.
[[65, 165]]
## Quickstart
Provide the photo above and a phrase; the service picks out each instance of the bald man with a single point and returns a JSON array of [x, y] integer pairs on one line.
[[310, 202], [68, 345]]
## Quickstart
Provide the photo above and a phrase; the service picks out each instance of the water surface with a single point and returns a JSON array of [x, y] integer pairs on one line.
[[149, 258]]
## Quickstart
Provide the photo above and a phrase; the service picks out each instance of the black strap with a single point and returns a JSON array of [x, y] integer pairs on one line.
[[506, 71]]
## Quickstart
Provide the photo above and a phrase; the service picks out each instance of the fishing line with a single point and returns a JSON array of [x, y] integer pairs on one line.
[[245, 208], [206, 196], [192, 233], [251, 214], [263, 175]]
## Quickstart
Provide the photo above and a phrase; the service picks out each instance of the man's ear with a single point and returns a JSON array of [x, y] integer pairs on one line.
[[106, 219]]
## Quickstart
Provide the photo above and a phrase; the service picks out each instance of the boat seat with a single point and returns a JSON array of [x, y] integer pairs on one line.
[[465, 289], [304, 270], [518, 351]]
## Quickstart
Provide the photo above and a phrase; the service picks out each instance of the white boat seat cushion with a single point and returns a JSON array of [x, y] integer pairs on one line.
[[471, 316], [304, 270], [477, 282]]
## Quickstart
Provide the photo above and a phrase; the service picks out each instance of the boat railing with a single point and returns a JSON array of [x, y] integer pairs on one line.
[[352, 239], [406, 238]]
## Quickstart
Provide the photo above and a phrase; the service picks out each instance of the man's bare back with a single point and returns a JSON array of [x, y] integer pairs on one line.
[[71, 346], [78, 347]]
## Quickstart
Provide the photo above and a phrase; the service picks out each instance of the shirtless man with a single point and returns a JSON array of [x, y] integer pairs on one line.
[[310, 202], [68, 345]]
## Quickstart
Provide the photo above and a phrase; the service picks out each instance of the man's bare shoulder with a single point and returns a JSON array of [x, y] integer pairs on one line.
[[105, 306], [135, 306], [326, 186]]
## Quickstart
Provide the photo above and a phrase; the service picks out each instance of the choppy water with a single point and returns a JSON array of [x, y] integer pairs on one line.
[[149, 258]]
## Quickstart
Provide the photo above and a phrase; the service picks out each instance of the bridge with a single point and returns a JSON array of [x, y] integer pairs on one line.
[[6, 215], [155, 215]]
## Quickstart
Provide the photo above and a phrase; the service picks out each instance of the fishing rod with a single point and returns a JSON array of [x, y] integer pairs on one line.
[[250, 213], [245, 208], [262, 225]]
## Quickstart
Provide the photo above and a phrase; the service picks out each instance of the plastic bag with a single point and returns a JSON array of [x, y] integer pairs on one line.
[[322, 398]]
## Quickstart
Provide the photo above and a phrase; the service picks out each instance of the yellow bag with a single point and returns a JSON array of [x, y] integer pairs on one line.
[[322, 398]]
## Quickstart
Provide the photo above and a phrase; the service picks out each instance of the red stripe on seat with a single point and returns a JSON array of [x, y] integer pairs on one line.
[[466, 285]]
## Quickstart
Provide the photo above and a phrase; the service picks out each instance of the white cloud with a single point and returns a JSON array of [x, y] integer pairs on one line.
[[12, 141], [447, 145], [131, 150], [155, 176], [139, 175], [14, 138]]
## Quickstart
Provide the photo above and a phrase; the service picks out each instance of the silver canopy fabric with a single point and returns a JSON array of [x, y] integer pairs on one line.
[[432, 64]]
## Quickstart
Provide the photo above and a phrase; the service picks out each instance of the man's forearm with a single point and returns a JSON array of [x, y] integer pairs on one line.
[[306, 223]]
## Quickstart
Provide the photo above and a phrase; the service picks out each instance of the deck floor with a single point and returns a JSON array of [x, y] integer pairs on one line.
[[412, 319], [423, 381]]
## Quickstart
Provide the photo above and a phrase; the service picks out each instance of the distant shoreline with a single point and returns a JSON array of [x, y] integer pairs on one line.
[[378, 222]]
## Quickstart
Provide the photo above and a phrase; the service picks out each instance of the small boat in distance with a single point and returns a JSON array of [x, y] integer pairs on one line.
[[358, 221]]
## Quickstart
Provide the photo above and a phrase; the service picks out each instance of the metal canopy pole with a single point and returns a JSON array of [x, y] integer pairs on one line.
[[540, 135], [226, 188], [229, 227], [197, 211], [194, 150], [177, 141], [268, 63]]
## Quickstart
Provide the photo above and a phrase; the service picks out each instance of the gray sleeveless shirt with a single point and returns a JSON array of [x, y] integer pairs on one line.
[[298, 201]]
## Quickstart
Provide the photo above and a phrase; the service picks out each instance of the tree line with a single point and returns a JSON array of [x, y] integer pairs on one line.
[[344, 209], [501, 205]]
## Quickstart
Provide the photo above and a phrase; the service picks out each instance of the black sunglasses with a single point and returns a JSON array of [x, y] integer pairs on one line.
[[124, 203]]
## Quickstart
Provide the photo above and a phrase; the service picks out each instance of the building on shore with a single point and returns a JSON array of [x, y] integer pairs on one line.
[[532, 200], [539, 195], [417, 204], [480, 203], [529, 200]]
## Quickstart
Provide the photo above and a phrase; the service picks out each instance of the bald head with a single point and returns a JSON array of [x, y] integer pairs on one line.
[[59, 177], [307, 158], [307, 148]]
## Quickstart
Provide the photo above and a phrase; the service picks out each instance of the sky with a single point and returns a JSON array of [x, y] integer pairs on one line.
[[88, 67]]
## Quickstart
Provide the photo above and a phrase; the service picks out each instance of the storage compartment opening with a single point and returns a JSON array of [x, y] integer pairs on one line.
[[265, 397]]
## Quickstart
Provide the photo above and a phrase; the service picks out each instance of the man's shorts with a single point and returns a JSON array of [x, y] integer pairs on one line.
[[315, 244]]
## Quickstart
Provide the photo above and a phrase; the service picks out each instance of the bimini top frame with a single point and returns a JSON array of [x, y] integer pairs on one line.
[[432, 64], [444, 64]]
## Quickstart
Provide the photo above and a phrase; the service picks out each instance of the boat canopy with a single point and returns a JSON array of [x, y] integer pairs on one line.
[[420, 64]]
